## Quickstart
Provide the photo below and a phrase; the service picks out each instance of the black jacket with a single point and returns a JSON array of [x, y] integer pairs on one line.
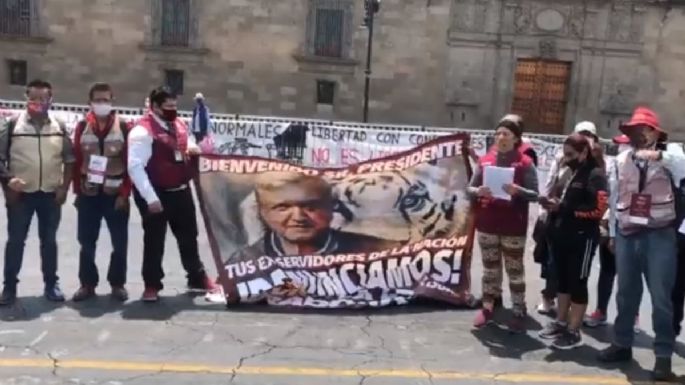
[[584, 202]]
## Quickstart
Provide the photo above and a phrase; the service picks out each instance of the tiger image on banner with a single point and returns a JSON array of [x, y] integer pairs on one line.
[[376, 233]]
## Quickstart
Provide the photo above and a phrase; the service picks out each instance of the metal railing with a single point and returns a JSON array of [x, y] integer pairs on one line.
[[79, 108]]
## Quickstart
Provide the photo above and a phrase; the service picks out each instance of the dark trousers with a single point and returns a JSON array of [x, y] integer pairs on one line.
[[679, 288], [607, 274], [573, 254], [19, 216], [91, 211], [179, 214]]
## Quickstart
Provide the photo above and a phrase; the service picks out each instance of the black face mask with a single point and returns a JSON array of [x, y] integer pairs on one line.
[[169, 115], [573, 164]]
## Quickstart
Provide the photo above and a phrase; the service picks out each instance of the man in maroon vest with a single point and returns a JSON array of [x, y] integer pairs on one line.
[[159, 167]]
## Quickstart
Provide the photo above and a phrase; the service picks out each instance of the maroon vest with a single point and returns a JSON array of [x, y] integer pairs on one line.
[[163, 168], [497, 216]]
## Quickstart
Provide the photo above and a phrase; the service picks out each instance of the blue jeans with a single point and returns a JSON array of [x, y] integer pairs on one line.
[[651, 253], [19, 216], [91, 211]]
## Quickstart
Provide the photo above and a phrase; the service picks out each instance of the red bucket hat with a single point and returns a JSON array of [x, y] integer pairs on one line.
[[643, 116]]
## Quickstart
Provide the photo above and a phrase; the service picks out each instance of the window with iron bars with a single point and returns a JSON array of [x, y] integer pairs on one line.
[[15, 18], [175, 23], [329, 29]]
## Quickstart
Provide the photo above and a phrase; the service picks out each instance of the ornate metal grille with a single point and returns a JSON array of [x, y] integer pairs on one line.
[[15, 18], [176, 23]]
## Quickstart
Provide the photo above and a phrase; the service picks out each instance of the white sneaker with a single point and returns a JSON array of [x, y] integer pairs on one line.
[[545, 309]]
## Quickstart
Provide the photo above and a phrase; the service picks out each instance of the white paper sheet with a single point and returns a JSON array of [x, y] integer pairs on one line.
[[495, 178]]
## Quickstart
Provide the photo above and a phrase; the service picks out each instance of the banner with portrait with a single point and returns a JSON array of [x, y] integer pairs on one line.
[[374, 233]]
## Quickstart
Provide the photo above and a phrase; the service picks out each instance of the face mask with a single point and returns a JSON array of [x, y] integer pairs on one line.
[[573, 164], [623, 147], [38, 108], [169, 115], [101, 109]]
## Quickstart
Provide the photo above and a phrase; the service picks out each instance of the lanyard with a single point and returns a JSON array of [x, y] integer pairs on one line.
[[642, 167], [568, 184]]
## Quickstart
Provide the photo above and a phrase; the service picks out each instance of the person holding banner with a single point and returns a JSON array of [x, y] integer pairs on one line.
[[102, 189], [159, 165], [36, 161], [642, 229], [574, 233], [502, 224]]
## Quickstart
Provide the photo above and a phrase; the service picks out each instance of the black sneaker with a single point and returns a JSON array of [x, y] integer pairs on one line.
[[614, 354], [8, 297], [53, 293], [553, 330], [662, 370], [568, 340]]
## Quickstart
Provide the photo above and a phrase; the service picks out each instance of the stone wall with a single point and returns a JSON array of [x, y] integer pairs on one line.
[[435, 62]]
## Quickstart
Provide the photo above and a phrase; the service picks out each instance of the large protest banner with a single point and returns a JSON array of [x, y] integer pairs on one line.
[[373, 233], [335, 146]]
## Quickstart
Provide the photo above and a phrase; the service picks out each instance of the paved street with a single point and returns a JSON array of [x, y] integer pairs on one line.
[[183, 339]]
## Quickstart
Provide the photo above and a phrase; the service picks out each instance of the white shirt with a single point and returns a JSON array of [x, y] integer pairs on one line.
[[673, 159], [139, 154]]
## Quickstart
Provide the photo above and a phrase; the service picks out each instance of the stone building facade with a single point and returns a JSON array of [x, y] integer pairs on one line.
[[460, 63]]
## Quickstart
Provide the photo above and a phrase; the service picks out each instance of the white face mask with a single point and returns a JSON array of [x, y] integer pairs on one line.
[[623, 147], [102, 109]]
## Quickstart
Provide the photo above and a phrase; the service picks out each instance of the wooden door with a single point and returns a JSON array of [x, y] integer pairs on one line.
[[540, 94]]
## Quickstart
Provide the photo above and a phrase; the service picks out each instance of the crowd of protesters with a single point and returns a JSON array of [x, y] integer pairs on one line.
[[629, 208], [107, 162]]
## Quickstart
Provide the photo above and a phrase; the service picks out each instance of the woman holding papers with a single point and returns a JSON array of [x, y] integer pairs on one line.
[[501, 188], [574, 234]]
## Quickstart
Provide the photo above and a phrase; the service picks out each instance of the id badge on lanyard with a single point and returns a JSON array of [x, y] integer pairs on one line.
[[97, 169]]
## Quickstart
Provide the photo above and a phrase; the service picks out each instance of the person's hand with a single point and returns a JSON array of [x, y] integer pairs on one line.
[[155, 207], [511, 188], [60, 195], [648, 155], [121, 203], [612, 245], [552, 205], [484, 192], [16, 184], [193, 150]]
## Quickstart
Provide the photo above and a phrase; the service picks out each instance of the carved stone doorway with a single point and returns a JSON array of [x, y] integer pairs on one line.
[[540, 94]]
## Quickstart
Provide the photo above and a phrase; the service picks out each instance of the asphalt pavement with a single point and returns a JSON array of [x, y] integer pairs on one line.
[[184, 339]]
